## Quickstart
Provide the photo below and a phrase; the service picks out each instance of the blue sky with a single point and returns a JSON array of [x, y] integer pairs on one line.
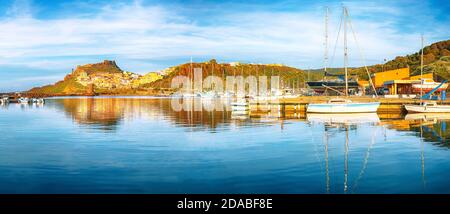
[[42, 40]]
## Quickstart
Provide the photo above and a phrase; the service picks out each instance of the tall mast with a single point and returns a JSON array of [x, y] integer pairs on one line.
[[421, 69], [326, 41], [345, 51]]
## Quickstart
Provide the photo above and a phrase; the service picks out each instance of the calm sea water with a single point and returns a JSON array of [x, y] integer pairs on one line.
[[135, 145]]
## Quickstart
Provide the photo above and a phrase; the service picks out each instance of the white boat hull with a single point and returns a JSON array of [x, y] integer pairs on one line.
[[333, 108], [428, 109]]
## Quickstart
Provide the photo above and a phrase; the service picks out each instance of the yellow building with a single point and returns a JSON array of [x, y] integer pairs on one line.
[[404, 86], [425, 76], [380, 78]]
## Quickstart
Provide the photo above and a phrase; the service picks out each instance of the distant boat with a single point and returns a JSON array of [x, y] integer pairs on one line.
[[23, 100], [341, 105], [428, 107], [427, 85], [38, 100]]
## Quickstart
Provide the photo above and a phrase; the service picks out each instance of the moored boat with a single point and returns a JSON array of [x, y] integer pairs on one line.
[[23, 100], [38, 100], [342, 106], [430, 87], [428, 107]]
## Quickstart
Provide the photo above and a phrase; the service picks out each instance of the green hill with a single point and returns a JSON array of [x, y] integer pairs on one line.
[[435, 59], [288, 75]]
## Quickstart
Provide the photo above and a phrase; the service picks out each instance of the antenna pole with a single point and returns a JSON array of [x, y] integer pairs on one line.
[[326, 41], [421, 69]]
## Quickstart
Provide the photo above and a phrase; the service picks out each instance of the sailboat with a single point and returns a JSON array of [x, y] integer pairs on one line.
[[340, 105], [430, 106]]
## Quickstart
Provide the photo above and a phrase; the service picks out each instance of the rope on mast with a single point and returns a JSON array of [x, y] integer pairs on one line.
[[337, 39], [362, 55]]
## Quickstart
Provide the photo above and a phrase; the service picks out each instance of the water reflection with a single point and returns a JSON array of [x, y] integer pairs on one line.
[[334, 124], [107, 144], [107, 114], [432, 127]]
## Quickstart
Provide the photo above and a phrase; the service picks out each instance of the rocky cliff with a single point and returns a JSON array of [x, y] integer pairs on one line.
[[100, 78]]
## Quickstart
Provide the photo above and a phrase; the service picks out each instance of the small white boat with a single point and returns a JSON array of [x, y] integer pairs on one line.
[[428, 107], [23, 100], [339, 105], [37, 100]]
